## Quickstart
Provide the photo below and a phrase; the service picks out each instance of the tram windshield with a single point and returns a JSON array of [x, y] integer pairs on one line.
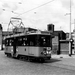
[[44, 40]]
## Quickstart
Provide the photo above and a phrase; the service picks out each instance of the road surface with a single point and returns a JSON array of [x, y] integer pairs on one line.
[[10, 66]]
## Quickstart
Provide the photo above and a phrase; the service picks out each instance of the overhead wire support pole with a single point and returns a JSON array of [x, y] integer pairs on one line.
[[70, 49]]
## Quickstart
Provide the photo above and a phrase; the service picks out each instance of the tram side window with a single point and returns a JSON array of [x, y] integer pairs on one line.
[[23, 41], [9, 42], [29, 40], [19, 41], [32, 40], [6, 42]]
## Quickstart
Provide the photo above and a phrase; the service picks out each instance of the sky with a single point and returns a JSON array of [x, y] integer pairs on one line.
[[39, 13]]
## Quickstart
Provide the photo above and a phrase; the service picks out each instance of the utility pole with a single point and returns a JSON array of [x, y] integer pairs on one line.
[[70, 50], [74, 24], [74, 34]]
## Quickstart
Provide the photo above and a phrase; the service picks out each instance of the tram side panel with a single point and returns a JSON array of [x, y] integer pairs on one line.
[[39, 52], [28, 51], [8, 49], [22, 50], [33, 51]]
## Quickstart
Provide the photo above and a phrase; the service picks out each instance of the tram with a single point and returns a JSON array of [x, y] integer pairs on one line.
[[30, 46]]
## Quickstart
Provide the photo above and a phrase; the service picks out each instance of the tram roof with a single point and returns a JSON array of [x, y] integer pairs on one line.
[[23, 34]]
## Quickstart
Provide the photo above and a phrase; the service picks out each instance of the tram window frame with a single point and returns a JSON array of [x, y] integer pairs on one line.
[[32, 40], [9, 42], [23, 41], [28, 40], [41, 41], [6, 42]]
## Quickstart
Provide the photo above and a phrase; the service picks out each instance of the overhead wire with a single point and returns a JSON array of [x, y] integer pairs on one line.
[[35, 8]]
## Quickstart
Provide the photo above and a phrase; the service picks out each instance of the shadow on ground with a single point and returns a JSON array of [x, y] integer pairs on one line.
[[52, 60], [46, 61]]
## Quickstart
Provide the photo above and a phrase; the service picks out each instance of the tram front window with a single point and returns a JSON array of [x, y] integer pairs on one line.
[[44, 40]]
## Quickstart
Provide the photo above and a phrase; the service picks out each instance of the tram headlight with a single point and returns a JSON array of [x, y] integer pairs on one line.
[[43, 52], [11, 50], [47, 52], [16, 50]]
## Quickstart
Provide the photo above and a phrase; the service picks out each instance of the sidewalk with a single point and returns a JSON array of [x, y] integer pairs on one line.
[[64, 61], [62, 56]]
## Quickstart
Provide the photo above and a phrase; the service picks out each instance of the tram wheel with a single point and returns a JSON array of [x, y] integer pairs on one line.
[[8, 55], [41, 60], [18, 57], [30, 59], [49, 58], [26, 58]]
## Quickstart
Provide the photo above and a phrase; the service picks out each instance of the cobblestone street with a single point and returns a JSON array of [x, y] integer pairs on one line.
[[57, 66]]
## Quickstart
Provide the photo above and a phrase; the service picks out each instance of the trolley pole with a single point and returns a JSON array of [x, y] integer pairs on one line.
[[70, 49]]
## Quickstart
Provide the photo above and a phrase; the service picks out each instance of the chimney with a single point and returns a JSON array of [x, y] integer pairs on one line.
[[50, 27]]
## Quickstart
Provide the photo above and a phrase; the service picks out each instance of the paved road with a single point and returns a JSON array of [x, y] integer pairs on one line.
[[10, 66]]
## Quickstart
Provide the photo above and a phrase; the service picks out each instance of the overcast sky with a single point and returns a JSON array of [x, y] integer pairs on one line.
[[51, 13]]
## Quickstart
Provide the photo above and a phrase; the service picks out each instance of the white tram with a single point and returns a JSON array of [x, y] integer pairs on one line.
[[30, 46]]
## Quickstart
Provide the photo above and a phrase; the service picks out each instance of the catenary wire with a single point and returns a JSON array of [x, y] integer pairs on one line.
[[35, 8]]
